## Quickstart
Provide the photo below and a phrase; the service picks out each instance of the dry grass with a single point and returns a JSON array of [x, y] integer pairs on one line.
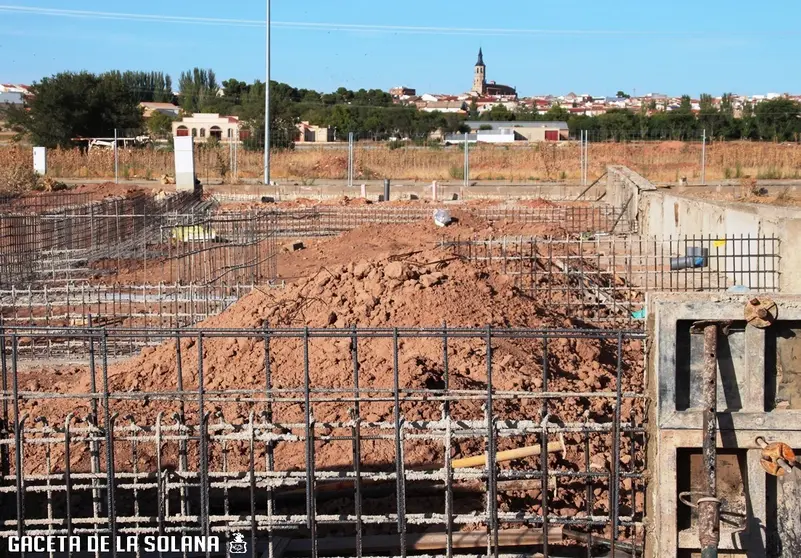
[[16, 171], [661, 162]]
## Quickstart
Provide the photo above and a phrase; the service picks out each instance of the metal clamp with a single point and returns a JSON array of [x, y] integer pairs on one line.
[[777, 457], [761, 312]]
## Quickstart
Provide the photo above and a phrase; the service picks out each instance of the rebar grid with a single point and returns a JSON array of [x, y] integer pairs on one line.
[[142, 238], [323, 464], [43, 202], [139, 306], [59, 245], [606, 277], [325, 220]]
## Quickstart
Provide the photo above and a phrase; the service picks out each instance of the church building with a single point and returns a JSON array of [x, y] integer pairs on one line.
[[488, 89]]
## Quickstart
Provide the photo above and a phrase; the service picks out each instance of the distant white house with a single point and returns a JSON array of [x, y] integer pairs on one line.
[[11, 88], [202, 126], [11, 98], [149, 109], [511, 132]]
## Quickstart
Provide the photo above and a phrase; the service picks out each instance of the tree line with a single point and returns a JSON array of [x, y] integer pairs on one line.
[[772, 120], [69, 105]]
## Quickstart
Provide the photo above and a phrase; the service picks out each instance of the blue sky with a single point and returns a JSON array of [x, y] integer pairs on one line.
[[681, 46]]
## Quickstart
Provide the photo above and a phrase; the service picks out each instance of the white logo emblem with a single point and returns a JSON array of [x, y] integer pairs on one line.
[[238, 545]]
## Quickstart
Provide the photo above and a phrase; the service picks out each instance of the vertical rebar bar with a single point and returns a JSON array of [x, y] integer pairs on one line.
[[709, 505]]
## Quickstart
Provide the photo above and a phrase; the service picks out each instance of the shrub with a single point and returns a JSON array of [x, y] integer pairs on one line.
[[457, 172]]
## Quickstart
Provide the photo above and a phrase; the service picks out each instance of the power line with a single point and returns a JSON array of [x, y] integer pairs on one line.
[[352, 27]]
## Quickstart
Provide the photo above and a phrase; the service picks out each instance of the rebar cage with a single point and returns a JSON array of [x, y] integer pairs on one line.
[[602, 277], [141, 238], [353, 442], [325, 220]]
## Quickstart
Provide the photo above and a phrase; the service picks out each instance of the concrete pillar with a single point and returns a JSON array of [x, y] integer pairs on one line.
[[40, 160], [386, 189], [184, 164], [434, 193], [364, 191]]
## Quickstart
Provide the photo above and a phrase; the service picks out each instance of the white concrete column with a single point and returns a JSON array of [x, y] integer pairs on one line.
[[184, 163], [40, 160]]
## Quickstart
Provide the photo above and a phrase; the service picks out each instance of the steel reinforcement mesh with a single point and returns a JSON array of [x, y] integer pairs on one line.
[[606, 277], [332, 220], [140, 240], [354, 442]]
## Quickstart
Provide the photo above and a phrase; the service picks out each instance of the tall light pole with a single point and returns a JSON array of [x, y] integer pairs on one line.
[[267, 107]]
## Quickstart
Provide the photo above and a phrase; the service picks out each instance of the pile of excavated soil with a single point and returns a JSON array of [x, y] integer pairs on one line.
[[98, 192], [380, 241], [423, 289], [398, 279]]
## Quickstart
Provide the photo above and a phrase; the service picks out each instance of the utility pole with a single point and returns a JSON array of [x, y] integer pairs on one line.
[[267, 107]]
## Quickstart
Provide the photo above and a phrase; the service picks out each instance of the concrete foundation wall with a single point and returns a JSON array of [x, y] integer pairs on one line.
[[665, 213], [624, 188]]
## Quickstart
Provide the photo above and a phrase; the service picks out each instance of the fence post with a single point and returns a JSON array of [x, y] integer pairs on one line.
[[350, 159], [466, 159], [116, 160], [703, 159], [386, 189], [581, 156]]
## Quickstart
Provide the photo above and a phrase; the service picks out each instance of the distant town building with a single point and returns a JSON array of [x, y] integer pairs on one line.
[[202, 126], [511, 132], [401, 92], [483, 88], [148, 109], [309, 133], [11, 88], [9, 98]]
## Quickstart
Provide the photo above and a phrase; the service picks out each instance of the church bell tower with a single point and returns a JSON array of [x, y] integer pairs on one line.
[[480, 75]]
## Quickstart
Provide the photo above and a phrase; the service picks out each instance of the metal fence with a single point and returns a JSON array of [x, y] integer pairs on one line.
[[354, 442], [607, 277]]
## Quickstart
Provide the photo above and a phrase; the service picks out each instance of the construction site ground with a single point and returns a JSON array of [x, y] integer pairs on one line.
[[379, 276]]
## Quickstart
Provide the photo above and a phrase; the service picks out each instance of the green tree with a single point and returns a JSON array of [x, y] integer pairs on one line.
[[709, 117], [498, 113], [623, 95], [149, 86], [778, 119], [557, 113], [160, 125], [235, 90], [617, 124], [198, 88], [71, 105]]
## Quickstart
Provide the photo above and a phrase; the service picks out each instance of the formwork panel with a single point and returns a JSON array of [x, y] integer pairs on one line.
[[755, 387]]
